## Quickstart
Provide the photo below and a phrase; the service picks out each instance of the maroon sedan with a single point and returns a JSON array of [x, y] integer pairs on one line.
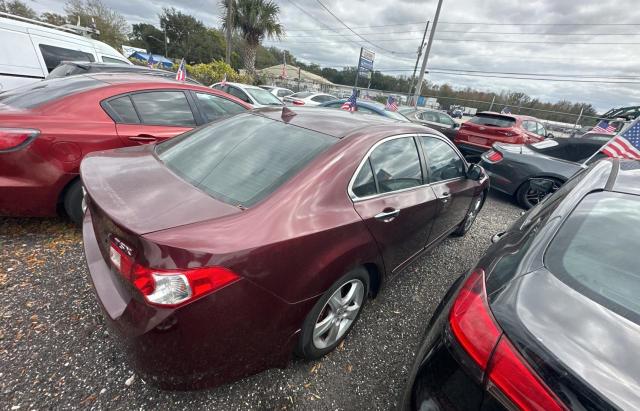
[[48, 127], [220, 252]]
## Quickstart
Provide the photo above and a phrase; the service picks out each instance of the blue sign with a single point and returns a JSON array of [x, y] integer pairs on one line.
[[366, 64]]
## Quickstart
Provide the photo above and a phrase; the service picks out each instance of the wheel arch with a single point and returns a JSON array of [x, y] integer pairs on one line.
[[60, 201]]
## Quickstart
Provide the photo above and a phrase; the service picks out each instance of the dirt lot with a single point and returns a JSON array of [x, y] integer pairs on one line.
[[57, 353]]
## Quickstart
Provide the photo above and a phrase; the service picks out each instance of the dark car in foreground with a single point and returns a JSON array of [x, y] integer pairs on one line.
[[46, 129], [435, 119], [549, 319], [368, 107], [266, 233], [73, 68], [479, 133], [531, 172]]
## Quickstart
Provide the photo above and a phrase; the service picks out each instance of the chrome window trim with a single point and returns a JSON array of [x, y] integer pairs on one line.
[[357, 199]]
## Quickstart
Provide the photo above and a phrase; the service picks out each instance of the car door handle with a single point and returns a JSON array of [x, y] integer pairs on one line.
[[445, 197], [387, 216], [143, 138]]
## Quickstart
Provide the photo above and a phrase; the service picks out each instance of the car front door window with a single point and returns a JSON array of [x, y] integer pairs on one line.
[[236, 92]]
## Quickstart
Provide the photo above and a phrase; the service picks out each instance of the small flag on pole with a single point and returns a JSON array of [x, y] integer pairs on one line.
[[603, 127], [392, 104], [224, 80], [181, 74], [351, 104], [625, 144], [151, 61]]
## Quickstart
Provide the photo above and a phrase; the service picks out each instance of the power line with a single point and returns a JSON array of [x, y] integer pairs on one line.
[[532, 78], [351, 30], [473, 41], [359, 27], [473, 32]]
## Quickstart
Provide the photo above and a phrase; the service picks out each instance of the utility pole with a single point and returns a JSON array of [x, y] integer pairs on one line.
[[355, 84], [493, 100], [426, 53], [227, 58], [415, 68]]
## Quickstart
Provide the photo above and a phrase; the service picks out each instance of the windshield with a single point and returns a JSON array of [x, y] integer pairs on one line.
[[395, 115], [243, 159], [263, 96], [595, 251], [493, 120]]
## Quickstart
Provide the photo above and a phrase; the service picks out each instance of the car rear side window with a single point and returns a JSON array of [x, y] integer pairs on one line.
[[214, 107], [596, 251], [169, 108], [444, 162], [53, 55], [493, 120], [364, 185], [243, 159], [42, 92], [396, 165], [123, 109]]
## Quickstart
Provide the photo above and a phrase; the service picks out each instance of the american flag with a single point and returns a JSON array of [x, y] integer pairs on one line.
[[181, 75], [603, 127], [625, 144], [224, 80], [392, 104], [151, 61], [284, 66], [351, 103]]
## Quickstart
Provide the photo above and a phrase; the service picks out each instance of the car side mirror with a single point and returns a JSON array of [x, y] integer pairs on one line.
[[474, 172], [455, 125]]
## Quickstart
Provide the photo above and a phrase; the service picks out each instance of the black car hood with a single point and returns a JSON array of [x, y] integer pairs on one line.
[[596, 345]]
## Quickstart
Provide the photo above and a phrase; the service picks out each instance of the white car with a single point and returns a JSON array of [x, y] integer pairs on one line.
[[254, 95], [308, 98], [279, 92], [30, 50]]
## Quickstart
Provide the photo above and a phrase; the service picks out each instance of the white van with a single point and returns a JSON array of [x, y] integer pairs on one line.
[[29, 51]]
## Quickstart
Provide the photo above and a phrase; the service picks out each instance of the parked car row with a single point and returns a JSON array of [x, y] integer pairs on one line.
[[337, 203]]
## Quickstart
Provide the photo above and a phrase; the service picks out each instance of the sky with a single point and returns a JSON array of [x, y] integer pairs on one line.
[[571, 40]]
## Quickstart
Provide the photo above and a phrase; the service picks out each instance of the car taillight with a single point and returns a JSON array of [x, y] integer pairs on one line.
[[11, 138], [298, 102], [168, 287], [477, 332], [493, 156]]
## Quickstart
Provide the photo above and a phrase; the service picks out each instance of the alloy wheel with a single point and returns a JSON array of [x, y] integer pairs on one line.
[[338, 314], [472, 214], [540, 188]]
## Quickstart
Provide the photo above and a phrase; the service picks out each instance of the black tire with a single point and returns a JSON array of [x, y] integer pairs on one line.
[[306, 347], [470, 218], [534, 190], [73, 202]]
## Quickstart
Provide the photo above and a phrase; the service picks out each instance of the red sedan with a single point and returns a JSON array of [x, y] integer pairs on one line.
[[218, 253], [48, 127]]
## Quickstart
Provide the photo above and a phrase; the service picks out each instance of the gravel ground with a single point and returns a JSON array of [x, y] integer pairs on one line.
[[56, 353]]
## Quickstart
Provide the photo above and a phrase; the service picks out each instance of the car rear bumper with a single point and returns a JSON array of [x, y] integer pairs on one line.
[[237, 331]]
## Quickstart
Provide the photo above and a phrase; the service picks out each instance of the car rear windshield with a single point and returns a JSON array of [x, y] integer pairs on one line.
[[42, 92], [596, 251], [493, 120], [243, 159], [301, 94], [263, 96]]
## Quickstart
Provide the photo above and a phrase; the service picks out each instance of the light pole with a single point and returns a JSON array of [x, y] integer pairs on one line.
[[165, 42], [426, 53]]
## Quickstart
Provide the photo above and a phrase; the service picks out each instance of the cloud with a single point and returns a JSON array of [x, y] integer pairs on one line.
[[309, 40]]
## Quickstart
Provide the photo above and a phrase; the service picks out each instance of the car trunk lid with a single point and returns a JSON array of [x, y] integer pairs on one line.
[[133, 189], [485, 128]]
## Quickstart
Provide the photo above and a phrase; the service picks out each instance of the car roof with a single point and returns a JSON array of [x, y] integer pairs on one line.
[[242, 85], [336, 123]]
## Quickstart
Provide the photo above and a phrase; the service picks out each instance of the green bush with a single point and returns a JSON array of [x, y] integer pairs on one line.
[[209, 73]]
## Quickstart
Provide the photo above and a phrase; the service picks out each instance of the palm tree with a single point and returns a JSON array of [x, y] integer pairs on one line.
[[255, 20]]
